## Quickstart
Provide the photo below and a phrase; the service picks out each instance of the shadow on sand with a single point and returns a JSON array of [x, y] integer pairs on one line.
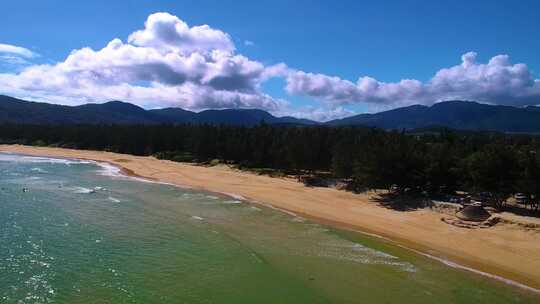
[[401, 202]]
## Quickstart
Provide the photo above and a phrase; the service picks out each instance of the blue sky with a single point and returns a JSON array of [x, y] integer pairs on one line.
[[326, 45]]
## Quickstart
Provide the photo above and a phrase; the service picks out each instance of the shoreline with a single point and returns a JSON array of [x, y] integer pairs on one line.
[[496, 255], [452, 264]]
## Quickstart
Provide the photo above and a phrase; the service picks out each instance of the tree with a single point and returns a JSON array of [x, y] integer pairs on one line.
[[495, 170], [529, 181]]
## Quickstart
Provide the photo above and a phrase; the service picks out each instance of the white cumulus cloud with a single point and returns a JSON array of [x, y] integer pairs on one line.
[[316, 113], [166, 32], [167, 63], [498, 81]]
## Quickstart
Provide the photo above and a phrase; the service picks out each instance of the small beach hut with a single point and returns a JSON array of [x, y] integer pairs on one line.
[[474, 213]]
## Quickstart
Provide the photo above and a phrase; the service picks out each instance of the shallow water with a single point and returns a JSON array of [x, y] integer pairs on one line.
[[76, 232]]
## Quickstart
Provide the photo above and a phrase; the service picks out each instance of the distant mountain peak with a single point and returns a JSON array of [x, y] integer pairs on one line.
[[118, 103], [121, 105]]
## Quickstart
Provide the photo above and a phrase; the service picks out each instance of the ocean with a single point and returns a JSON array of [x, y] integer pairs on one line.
[[80, 232]]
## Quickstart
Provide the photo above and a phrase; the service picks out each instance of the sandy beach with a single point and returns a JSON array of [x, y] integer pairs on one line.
[[505, 250]]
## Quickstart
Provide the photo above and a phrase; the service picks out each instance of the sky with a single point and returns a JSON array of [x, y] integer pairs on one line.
[[314, 59]]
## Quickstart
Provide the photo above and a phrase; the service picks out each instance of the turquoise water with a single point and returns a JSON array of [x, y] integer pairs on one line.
[[78, 232]]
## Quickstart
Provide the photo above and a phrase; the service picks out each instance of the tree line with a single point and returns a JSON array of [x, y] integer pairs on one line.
[[440, 162]]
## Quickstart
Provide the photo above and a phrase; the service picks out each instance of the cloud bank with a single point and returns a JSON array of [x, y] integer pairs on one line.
[[497, 82], [167, 63]]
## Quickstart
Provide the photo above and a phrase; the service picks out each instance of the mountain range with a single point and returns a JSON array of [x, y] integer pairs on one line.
[[462, 115], [13, 110]]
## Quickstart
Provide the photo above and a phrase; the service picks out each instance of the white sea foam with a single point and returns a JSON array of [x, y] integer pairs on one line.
[[198, 218], [83, 190], [114, 200], [361, 248], [298, 219], [276, 208], [11, 157], [358, 253], [39, 170], [232, 202], [110, 170], [107, 169], [235, 196]]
